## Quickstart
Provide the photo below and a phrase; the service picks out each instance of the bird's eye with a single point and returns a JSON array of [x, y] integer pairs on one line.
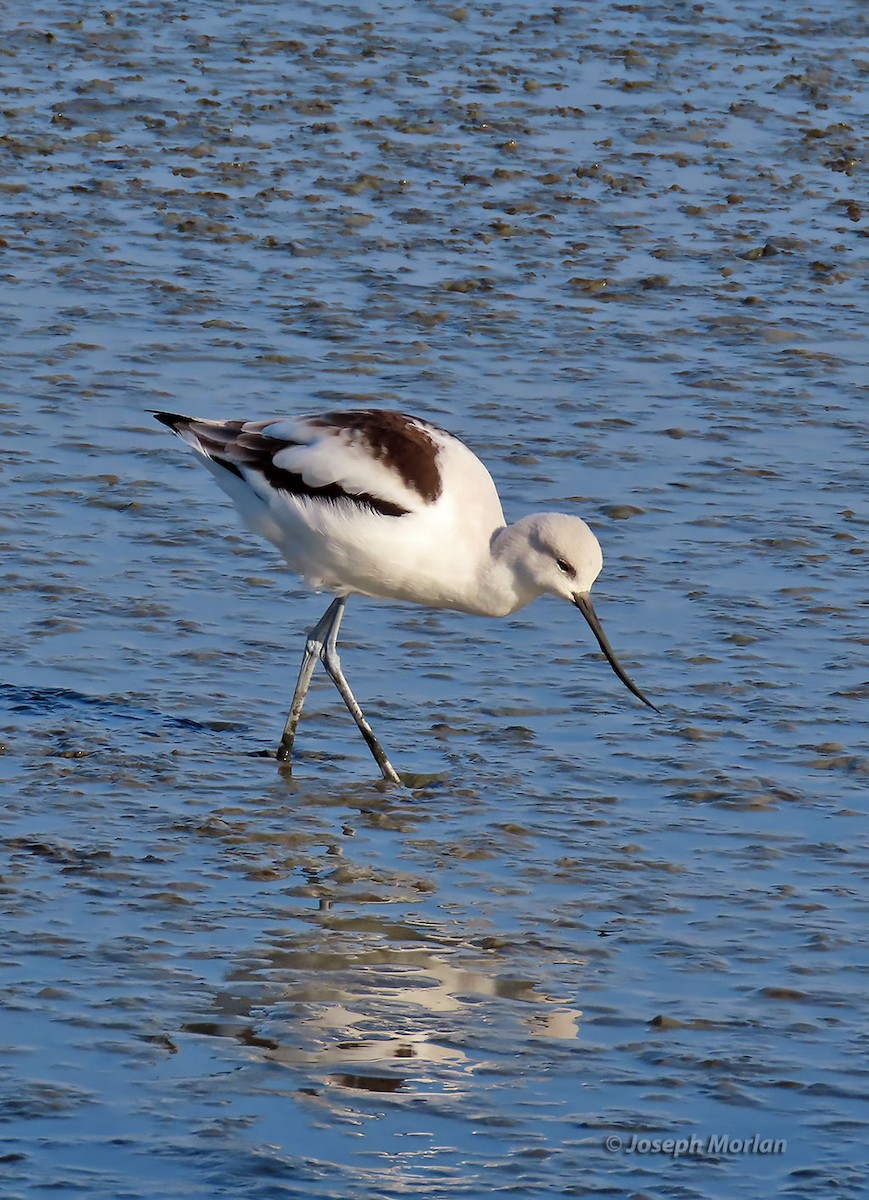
[[564, 567]]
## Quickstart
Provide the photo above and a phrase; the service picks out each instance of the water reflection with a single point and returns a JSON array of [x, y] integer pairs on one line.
[[330, 1010]]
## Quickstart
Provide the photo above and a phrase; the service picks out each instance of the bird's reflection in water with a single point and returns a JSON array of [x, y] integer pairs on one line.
[[373, 1020]]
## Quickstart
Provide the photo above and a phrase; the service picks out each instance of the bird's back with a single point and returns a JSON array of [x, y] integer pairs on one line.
[[365, 500]]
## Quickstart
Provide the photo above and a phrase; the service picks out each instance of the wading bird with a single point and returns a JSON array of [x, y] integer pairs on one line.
[[376, 503]]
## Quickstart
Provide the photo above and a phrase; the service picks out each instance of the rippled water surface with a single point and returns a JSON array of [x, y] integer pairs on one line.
[[619, 248]]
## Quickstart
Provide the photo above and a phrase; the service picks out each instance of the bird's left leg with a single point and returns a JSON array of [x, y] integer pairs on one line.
[[314, 649], [332, 663]]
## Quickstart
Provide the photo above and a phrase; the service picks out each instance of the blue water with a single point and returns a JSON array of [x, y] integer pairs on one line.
[[618, 250]]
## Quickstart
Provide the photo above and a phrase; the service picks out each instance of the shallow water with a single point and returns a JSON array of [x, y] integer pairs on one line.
[[619, 249]]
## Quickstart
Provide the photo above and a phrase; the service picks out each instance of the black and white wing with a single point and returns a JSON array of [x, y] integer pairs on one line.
[[372, 459]]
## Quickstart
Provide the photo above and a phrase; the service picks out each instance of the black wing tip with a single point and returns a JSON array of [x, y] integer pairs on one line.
[[173, 420]]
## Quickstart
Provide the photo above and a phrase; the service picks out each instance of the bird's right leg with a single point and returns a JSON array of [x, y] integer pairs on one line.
[[314, 648], [332, 663]]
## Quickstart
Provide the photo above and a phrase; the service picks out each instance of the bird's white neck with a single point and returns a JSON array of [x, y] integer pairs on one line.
[[505, 584]]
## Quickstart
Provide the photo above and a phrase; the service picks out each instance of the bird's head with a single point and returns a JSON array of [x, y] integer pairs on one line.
[[562, 557]]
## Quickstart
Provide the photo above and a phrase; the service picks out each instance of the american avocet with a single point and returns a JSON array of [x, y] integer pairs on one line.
[[375, 503]]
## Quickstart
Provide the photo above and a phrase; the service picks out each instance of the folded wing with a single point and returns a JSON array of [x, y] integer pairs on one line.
[[382, 461]]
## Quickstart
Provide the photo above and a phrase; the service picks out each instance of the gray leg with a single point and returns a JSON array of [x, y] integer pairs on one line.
[[322, 644], [332, 663], [313, 651]]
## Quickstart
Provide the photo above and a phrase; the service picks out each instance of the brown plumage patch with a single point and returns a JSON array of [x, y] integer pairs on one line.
[[240, 445], [401, 443]]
